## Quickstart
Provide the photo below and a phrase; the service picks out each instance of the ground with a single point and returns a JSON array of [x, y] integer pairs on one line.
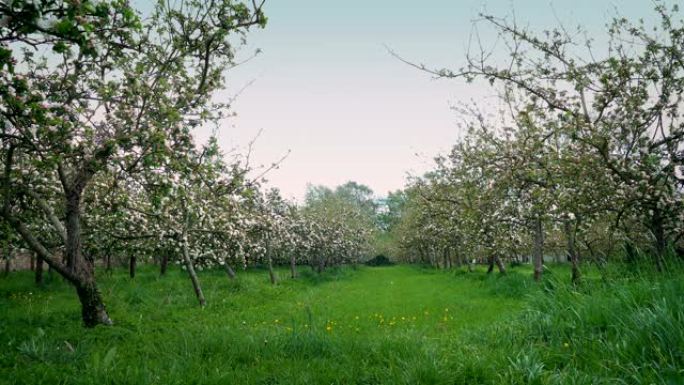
[[391, 325]]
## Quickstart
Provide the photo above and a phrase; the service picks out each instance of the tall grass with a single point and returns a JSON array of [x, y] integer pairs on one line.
[[389, 325], [619, 331]]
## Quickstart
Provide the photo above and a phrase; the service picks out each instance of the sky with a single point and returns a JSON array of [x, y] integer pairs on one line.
[[326, 89]]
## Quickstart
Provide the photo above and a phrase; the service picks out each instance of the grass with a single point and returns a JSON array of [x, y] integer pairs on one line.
[[389, 325]]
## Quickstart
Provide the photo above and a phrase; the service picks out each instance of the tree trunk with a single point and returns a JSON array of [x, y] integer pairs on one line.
[[572, 251], [132, 263], [321, 264], [8, 265], [293, 266], [658, 229], [500, 265], [39, 270], [271, 273], [32, 262], [433, 258], [490, 262], [458, 260], [538, 251], [163, 266], [229, 270], [93, 309], [191, 271], [108, 262]]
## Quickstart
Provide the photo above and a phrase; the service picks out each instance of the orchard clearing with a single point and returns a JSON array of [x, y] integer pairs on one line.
[[365, 325]]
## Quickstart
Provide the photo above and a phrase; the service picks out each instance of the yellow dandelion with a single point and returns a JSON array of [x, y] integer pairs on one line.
[[328, 328]]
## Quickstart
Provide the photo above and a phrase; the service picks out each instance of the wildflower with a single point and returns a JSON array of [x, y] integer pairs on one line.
[[566, 345], [328, 328]]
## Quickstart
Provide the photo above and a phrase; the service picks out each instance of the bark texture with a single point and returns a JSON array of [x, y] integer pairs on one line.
[[572, 251], [193, 275], [538, 252]]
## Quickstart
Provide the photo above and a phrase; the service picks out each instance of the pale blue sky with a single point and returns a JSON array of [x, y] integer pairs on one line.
[[326, 88]]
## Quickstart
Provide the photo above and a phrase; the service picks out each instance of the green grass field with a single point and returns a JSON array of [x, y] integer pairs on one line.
[[389, 325]]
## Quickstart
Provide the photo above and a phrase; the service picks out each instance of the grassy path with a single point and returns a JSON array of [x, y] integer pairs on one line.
[[372, 325], [406, 298]]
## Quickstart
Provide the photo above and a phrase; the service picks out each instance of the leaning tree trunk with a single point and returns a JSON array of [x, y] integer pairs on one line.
[[538, 251], [572, 252], [92, 307], [229, 270], [500, 265], [490, 264], [191, 271]]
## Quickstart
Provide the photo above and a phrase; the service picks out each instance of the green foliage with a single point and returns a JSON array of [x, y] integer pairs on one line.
[[379, 260]]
